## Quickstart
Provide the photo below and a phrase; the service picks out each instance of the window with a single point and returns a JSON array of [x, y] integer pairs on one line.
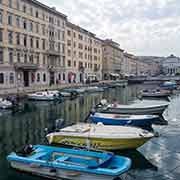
[[10, 19], [25, 40], [1, 78], [18, 57], [31, 42], [64, 77], [25, 58], [17, 5], [69, 42], [69, 52], [17, 21], [1, 18], [1, 56], [10, 57], [31, 59], [1, 35], [80, 55], [43, 30], [37, 58], [37, 43], [74, 63], [37, 28], [80, 46], [69, 33], [44, 59], [18, 38], [10, 3], [37, 13], [44, 77], [80, 37], [59, 76], [74, 35], [69, 63], [38, 77], [31, 11], [24, 24], [11, 78], [32, 77], [10, 37], [43, 44], [31, 26], [63, 35], [24, 8]]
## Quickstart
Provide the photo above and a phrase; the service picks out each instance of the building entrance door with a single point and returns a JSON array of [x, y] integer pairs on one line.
[[52, 78], [26, 78], [81, 77]]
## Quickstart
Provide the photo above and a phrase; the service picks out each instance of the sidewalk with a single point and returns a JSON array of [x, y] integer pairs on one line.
[[23, 91]]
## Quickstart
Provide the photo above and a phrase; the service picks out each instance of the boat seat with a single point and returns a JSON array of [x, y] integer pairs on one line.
[[63, 158], [38, 155]]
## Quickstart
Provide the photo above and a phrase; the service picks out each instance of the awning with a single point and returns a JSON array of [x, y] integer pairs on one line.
[[114, 74], [92, 75]]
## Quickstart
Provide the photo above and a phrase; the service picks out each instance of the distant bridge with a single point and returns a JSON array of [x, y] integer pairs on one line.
[[153, 79]]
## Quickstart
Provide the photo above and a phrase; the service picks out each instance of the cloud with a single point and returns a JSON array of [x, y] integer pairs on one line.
[[148, 27]]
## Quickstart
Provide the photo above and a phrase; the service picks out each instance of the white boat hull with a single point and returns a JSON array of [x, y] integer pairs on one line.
[[138, 111], [59, 173], [41, 98]]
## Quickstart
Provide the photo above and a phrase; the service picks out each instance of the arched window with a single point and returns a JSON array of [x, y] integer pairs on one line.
[[59, 76], [1, 78], [38, 77], [64, 77], [44, 77], [11, 78]]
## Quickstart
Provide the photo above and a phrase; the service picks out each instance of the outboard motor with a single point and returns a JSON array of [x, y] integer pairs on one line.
[[58, 124]]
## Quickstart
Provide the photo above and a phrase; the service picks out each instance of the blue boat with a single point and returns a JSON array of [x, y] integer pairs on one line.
[[170, 85], [56, 163], [123, 119]]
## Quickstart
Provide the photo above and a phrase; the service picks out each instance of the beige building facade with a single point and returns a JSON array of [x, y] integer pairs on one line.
[[32, 44], [113, 58], [83, 55]]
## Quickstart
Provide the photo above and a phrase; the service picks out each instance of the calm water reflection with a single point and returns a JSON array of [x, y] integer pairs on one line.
[[28, 126]]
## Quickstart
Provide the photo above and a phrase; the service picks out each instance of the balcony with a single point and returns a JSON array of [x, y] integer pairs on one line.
[[53, 52], [25, 66]]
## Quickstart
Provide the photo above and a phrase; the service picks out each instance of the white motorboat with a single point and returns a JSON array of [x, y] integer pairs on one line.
[[44, 96], [138, 107], [99, 136], [94, 89], [5, 104]]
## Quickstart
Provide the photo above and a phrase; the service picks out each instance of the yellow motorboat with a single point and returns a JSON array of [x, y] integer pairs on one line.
[[99, 136]]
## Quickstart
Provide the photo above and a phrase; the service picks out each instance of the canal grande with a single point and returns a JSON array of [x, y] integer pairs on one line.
[[157, 159]]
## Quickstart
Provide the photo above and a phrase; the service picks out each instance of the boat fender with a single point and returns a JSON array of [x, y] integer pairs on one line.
[[100, 124], [129, 122]]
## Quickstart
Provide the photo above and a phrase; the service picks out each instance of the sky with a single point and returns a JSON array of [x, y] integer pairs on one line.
[[141, 27]]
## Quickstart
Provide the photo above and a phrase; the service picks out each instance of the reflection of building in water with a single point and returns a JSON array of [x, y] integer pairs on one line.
[[28, 126]]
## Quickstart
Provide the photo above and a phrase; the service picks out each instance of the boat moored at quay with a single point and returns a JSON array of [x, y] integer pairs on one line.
[[99, 136], [55, 163]]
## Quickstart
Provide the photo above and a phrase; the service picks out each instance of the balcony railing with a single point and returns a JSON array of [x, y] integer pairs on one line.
[[26, 66]]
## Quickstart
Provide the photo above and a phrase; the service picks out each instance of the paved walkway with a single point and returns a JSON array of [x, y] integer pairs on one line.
[[23, 91]]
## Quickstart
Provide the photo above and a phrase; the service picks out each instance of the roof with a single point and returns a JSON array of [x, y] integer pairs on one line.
[[52, 10], [80, 29], [110, 42]]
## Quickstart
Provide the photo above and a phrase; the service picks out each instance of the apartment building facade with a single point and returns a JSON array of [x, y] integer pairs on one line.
[[83, 55], [32, 44], [113, 58]]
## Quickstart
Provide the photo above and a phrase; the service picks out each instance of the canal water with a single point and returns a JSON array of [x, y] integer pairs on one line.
[[158, 159]]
